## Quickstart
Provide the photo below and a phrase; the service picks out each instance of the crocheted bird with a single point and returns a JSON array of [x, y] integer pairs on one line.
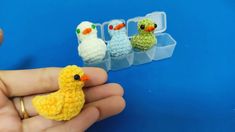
[[146, 37], [119, 44], [68, 101], [91, 49]]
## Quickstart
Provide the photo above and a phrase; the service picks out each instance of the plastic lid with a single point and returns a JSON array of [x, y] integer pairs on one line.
[[158, 17]]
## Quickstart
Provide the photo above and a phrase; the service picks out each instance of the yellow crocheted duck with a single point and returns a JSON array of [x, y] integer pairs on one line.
[[68, 101]]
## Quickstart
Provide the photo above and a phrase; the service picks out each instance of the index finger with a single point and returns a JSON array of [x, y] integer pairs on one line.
[[36, 81], [1, 36]]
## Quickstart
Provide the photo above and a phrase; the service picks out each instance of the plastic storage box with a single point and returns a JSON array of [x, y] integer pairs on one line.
[[162, 50]]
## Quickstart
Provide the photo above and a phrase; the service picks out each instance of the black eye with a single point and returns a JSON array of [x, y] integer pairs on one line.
[[76, 77], [142, 27], [155, 25]]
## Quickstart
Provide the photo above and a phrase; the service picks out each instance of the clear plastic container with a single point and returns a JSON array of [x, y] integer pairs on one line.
[[141, 57], [162, 50], [105, 63], [121, 62], [165, 46]]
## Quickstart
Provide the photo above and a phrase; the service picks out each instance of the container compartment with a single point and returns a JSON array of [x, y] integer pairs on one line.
[[141, 57], [165, 46], [104, 64], [121, 62]]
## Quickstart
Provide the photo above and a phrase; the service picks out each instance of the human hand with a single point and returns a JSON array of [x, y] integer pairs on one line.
[[1, 36], [102, 100]]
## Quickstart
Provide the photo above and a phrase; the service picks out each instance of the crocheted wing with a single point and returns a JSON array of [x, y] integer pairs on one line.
[[103, 45], [48, 105]]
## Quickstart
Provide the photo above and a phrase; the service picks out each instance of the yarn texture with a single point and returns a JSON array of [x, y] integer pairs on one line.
[[68, 101], [146, 38], [119, 44], [91, 49]]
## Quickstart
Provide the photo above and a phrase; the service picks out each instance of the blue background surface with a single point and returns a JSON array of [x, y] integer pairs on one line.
[[192, 91]]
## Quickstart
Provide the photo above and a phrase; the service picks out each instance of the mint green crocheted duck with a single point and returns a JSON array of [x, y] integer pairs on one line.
[[146, 38]]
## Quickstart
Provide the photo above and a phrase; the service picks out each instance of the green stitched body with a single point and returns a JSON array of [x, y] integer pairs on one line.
[[144, 41], [146, 38]]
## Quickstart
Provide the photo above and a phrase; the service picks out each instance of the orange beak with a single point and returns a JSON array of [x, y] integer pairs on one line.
[[150, 28], [87, 31], [119, 26], [84, 78]]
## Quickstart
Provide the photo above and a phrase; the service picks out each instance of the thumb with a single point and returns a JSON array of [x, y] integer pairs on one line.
[[80, 123]]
